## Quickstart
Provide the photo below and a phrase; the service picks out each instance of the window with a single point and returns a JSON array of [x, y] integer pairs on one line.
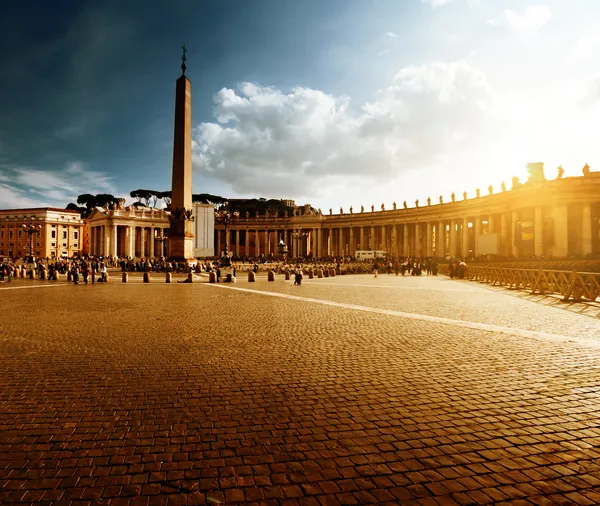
[[54, 234], [1, 234], [38, 244], [75, 235], [64, 244], [64, 234], [53, 244], [20, 234], [10, 234]]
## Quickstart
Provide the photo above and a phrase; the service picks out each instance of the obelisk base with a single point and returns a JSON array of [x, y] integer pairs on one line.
[[181, 240]]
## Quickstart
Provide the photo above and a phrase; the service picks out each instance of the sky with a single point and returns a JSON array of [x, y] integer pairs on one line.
[[335, 103]]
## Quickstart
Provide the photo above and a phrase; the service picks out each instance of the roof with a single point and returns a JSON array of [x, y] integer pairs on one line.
[[29, 209]]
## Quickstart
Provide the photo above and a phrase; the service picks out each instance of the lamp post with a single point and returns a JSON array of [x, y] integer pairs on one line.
[[162, 239], [226, 217], [31, 229], [299, 235]]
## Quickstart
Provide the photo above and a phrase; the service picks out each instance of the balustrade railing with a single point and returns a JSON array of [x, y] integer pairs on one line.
[[574, 285]]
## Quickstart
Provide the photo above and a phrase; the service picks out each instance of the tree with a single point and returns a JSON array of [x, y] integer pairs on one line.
[[165, 197], [84, 211], [142, 196], [87, 199]]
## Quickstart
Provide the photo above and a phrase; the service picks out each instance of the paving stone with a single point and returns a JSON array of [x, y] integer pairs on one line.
[[170, 394]]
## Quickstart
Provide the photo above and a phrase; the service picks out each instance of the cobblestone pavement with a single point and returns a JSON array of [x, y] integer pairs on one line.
[[346, 390]]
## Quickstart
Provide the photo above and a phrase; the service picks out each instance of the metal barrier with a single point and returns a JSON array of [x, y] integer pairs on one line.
[[569, 284], [552, 265]]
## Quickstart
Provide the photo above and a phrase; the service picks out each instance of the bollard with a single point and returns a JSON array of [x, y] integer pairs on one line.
[[251, 277], [228, 278], [190, 278], [287, 275], [326, 273], [198, 268], [320, 273], [332, 273], [146, 277], [311, 274], [270, 276], [126, 277], [22, 271], [212, 277], [106, 278], [168, 277]]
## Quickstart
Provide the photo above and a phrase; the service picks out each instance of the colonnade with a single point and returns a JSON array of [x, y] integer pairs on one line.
[[128, 241], [536, 230]]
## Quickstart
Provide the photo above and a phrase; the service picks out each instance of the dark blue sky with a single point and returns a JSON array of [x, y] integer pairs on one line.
[[94, 82], [351, 101]]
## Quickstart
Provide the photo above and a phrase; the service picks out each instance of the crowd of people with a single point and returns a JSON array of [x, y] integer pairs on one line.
[[93, 269]]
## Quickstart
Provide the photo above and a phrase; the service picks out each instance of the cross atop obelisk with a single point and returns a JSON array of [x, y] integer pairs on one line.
[[181, 233]]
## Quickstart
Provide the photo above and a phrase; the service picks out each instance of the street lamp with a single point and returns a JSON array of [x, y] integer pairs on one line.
[[299, 236], [31, 229], [162, 239], [226, 217]]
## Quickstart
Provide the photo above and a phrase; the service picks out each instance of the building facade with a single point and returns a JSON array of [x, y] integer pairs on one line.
[[550, 219], [142, 232], [60, 233]]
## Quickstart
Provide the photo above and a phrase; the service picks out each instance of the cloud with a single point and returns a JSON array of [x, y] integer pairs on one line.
[[269, 142], [531, 21], [27, 186], [436, 3], [392, 35]]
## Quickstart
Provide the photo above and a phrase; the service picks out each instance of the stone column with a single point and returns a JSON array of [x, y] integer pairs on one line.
[[114, 244], [237, 242], [561, 233], [127, 245], [152, 242], [477, 233], [361, 238], [218, 248], [382, 243], [417, 239], [429, 241], [405, 250], [144, 240], [586, 230], [267, 244], [440, 240], [453, 239], [319, 243], [514, 247], [491, 224], [465, 238], [505, 235], [538, 232], [257, 243], [372, 238]]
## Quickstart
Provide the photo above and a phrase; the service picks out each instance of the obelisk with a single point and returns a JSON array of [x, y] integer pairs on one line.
[[181, 233]]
